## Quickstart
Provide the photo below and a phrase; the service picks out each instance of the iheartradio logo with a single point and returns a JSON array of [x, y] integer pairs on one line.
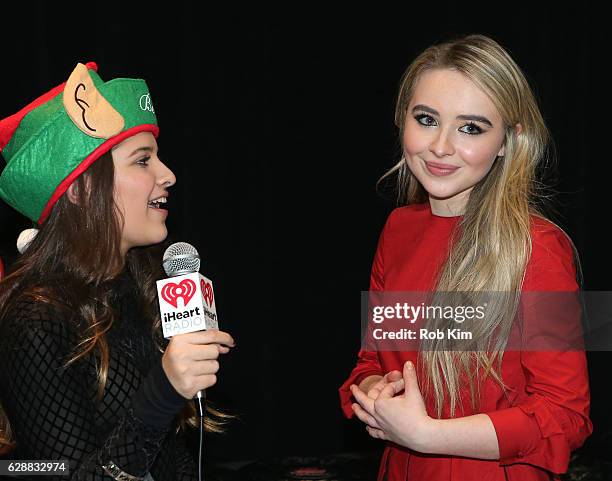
[[184, 289], [207, 292], [187, 304]]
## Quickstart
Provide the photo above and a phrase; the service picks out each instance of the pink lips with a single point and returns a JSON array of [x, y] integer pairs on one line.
[[438, 169]]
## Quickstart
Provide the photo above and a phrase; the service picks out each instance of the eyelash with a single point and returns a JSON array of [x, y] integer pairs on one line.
[[470, 124], [144, 161]]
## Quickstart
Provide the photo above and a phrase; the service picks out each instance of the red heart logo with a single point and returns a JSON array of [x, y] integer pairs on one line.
[[207, 292], [184, 289]]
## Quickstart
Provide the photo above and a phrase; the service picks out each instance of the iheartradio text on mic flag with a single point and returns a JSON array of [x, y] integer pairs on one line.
[[187, 304]]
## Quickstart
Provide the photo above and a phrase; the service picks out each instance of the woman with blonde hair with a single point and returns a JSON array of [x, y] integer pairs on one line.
[[472, 139], [86, 376]]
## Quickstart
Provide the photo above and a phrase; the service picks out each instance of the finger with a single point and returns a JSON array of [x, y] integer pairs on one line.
[[210, 336], [364, 401], [410, 378], [392, 389], [364, 416], [376, 433], [206, 367], [374, 391], [205, 352], [206, 381], [223, 349], [393, 376], [412, 391]]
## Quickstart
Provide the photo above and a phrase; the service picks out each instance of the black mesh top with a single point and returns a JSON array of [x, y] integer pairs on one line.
[[53, 411]]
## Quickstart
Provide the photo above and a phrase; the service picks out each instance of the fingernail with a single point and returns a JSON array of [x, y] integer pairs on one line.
[[410, 366]]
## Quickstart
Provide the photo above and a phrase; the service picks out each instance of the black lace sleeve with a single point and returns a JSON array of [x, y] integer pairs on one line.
[[52, 409]]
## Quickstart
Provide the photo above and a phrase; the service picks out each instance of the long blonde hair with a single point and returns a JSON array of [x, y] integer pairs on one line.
[[491, 244]]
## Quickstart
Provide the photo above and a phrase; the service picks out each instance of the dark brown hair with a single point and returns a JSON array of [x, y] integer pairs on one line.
[[58, 268]]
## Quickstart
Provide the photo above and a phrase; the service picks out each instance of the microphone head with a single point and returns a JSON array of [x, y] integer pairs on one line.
[[181, 258]]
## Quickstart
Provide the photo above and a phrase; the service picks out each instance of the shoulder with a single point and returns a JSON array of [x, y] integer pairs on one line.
[[549, 240], [33, 310], [30, 323], [407, 215], [552, 262]]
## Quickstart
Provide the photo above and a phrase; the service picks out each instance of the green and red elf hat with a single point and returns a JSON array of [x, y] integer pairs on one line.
[[54, 139]]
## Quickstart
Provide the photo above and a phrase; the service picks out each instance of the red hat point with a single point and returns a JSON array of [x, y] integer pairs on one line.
[[10, 124]]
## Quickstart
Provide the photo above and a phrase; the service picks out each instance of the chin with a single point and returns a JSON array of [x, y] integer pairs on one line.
[[442, 194], [155, 238], [161, 237], [438, 191]]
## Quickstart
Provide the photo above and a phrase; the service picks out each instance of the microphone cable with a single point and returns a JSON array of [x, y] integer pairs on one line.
[[201, 398]]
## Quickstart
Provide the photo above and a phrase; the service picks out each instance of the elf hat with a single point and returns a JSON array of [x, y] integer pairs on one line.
[[54, 139]]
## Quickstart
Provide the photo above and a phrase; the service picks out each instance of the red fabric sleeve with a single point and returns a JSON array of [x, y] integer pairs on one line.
[[367, 361], [553, 418], [367, 365]]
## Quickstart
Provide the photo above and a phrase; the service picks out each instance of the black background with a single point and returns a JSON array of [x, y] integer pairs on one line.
[[277, 124]]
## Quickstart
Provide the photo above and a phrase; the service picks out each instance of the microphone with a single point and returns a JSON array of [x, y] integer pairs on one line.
[[181, 262], [181, 258]]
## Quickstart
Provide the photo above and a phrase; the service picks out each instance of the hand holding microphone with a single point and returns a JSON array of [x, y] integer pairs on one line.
[[189, 317], [190, 360]]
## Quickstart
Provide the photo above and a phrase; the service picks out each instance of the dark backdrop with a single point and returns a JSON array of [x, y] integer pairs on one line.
[[277, 125]]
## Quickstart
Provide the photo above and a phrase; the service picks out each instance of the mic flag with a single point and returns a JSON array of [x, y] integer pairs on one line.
[[187, 304]]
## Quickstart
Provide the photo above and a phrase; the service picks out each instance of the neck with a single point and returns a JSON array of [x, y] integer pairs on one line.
[[120, 266], [450, 206]]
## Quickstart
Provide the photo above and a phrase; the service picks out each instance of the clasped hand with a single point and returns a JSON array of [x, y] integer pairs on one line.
[[394, 410]]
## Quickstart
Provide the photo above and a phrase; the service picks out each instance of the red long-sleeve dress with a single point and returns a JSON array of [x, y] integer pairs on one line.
[[547, 415]]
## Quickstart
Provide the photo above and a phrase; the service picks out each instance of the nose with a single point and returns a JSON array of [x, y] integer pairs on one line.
[[165, 177], [441, 145]]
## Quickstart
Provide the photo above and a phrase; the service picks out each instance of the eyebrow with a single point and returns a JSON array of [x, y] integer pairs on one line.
[[477, 118], [143, 149]]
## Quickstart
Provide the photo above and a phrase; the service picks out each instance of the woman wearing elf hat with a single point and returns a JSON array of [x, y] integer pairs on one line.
[[82, 375]]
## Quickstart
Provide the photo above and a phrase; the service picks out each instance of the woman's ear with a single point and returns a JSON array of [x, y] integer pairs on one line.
[[73, 190], [72, 194], [518, 128]]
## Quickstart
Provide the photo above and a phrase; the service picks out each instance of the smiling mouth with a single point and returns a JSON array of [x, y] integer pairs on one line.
[[440, 169], [158, 203]]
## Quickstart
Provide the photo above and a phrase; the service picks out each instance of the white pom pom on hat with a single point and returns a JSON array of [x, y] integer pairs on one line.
[[24, 239]]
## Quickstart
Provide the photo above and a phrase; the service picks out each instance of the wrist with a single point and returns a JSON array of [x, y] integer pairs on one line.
[[428, 435], [156, 401]]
